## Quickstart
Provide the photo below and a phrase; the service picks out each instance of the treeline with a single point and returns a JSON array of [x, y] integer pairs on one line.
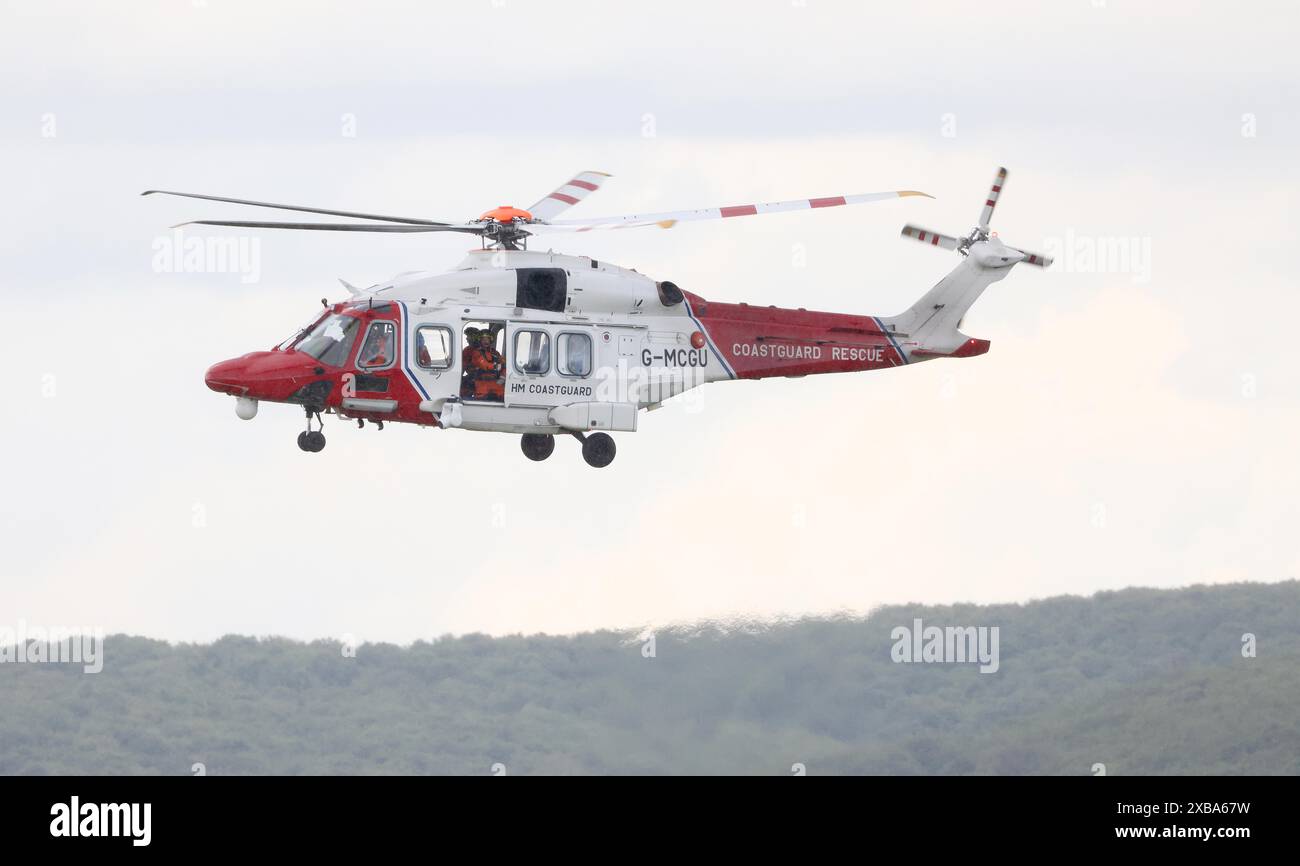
[[1140, 681]]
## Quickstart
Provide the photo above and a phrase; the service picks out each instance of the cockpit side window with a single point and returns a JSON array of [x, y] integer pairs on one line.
[[331, 340], [379, 348]]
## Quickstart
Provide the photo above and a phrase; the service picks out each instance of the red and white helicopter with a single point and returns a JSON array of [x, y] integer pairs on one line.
[[540, 344]]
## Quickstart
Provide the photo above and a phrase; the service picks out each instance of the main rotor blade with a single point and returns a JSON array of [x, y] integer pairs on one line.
[[668, 219], [342, 213], [334, 227], [926, 236], [568, 195], [992, 200], [1035, 259]]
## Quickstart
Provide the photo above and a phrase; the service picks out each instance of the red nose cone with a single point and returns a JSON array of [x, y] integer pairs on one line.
[[264, 375], [227, 377]]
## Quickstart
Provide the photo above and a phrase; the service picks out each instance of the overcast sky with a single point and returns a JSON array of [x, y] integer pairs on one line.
[[1133, 423]]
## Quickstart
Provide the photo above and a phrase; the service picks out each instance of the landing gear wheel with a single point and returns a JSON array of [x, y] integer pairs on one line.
[[537, 446], [309, 439], [598, 450]]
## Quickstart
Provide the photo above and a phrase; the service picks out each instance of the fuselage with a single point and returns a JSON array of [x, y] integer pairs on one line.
[[576, 345]]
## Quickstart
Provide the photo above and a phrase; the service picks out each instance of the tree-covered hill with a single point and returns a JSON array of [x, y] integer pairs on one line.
[[1142, 681]]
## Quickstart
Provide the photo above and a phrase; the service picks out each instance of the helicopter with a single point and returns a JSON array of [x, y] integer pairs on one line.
[[543, 344]]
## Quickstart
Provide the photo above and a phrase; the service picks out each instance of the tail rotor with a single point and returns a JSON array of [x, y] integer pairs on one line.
[[981, 244]]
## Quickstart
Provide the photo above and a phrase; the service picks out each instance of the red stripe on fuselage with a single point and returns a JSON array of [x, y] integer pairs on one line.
[[739, 210]]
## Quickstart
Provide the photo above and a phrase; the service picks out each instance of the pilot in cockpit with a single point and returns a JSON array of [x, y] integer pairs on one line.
[[378, 349]]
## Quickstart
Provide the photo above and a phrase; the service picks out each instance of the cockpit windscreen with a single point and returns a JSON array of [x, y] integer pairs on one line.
[[331, 340]]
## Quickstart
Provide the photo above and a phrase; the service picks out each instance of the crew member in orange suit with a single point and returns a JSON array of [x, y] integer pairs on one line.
[[471, 344], [466, 362], [488, 369]]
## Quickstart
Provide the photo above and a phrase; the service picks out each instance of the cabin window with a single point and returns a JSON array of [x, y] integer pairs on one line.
[[573, 354], [433, 347], [378, 348], [532, 352]]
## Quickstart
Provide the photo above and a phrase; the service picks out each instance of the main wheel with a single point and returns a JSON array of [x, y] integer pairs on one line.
[[315, 441], [537, 446], [598, 450], [302, 441]]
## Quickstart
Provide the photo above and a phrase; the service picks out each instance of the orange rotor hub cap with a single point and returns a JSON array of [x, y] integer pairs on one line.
[[506, 213]]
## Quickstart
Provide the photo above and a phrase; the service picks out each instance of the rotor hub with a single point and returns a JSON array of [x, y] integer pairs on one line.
[[506, 214]]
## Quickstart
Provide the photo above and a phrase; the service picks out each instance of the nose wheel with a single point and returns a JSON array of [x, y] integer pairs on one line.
[[312, 440]]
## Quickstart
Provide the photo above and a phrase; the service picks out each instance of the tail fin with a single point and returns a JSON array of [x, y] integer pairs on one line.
[[929, 328]]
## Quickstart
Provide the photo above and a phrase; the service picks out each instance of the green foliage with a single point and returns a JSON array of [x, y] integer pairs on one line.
[[1144, 681]]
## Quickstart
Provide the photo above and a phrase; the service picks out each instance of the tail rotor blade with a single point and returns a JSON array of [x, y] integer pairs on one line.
[[926, 236], [992, 200], [1036, 259]]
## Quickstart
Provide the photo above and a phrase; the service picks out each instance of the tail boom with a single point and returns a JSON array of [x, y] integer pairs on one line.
[[762, 342]]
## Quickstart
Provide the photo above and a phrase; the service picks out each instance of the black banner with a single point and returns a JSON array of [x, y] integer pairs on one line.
[[214, 814]]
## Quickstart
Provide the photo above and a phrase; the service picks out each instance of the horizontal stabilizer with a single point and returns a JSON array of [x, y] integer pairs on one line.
[[968, 349]]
